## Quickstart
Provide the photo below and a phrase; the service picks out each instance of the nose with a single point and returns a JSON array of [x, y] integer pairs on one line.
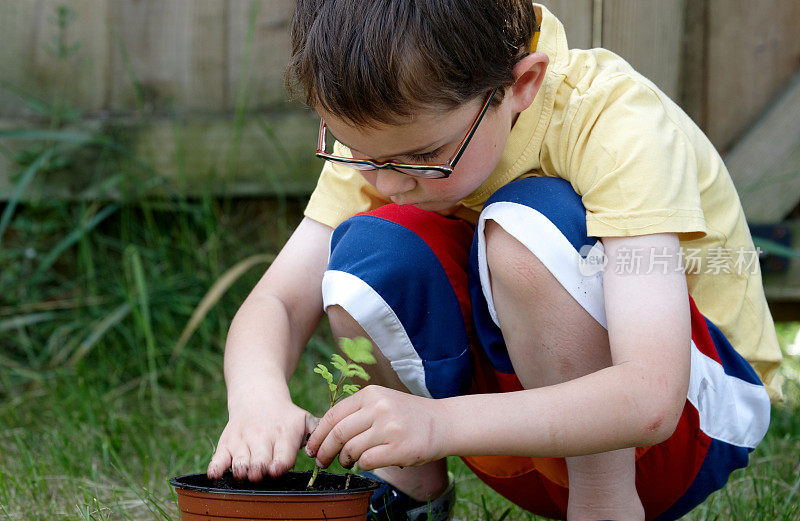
[[391, 183]]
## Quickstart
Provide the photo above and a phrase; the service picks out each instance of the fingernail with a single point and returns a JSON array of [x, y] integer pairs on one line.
[[309, 453], [318, 463]]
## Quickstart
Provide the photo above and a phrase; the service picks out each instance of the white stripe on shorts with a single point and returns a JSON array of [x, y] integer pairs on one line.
[[380, 322], [545, 240]]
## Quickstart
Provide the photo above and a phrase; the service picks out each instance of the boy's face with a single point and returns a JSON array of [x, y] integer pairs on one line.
[[434, 136]]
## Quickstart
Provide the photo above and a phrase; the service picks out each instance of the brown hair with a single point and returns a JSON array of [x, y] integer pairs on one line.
[[380, 61]]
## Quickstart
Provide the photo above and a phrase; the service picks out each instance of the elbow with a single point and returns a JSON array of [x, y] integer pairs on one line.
[[661, 418], [659, 425]]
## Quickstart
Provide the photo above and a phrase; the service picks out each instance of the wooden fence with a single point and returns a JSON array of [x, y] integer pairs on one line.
[[188, 64]]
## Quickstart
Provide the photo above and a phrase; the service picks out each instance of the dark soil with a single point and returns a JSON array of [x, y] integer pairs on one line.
[[289, 482]]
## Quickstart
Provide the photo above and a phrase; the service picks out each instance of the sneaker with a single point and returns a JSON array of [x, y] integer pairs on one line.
[[389, 504]]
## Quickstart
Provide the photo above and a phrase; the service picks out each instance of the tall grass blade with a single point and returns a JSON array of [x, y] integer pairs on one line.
[[34, 103], [22, 184], [128, 64], [74, 236], [25, 320], [145, 319], [214, 294], [53, 305], [788, 501], [97, 332]]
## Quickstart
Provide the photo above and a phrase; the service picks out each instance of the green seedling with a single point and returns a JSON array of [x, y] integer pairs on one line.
[[359, 351]]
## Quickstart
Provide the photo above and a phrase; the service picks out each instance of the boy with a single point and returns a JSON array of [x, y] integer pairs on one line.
[[481, 167]]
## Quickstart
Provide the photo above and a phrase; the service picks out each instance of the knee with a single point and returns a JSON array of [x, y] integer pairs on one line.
[[532, 245], [512, 266]]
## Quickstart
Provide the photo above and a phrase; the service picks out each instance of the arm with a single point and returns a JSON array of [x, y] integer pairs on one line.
[[635, 402], [640, 397], [264, 343]]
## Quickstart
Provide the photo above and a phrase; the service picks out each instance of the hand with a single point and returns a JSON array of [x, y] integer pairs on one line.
[[379, 427], [261, 439]]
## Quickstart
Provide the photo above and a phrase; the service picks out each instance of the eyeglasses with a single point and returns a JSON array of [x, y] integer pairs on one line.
[[426, 171]]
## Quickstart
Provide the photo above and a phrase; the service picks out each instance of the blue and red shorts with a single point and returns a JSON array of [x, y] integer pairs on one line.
[[417, 282]]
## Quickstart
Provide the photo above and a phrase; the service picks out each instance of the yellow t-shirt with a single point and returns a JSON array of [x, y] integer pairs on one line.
[[641, 166]]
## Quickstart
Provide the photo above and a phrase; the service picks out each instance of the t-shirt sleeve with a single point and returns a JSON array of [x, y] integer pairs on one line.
[[341, 192], [634, 165]]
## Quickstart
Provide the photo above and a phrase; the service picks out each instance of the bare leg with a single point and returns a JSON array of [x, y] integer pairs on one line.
[[421, 482], [552, 339]]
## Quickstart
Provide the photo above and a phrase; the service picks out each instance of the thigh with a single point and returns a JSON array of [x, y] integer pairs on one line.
[[401, 273], [541, 226]]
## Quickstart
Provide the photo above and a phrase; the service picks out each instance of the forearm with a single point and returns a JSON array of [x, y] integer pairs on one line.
[[274, 323], [613, 408], [262, 350]]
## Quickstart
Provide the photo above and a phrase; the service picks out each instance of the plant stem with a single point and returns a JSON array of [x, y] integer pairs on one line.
[[313, 478], [336, 393]]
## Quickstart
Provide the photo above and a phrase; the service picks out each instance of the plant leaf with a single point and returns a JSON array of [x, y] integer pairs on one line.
[[350, 388], [339, 363], [358, 349], [356, 370], [324, 372]]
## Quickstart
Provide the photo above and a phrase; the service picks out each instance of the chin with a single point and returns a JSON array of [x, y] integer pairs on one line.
[[433, 206]]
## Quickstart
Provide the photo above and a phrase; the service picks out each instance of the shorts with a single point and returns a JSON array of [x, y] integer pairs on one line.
[[416, 282]]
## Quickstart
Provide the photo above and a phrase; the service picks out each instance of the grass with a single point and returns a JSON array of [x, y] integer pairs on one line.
[[97, 409]]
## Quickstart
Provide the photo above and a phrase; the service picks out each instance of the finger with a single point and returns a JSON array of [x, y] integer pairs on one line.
[[341, 433], [283, 457], [220, 462], [241, 461], [334, 415], [376, 457], [311, 424], [260, 458], [356, 446]]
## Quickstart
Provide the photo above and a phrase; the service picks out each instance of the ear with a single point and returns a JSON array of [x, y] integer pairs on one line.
[[528, 75]]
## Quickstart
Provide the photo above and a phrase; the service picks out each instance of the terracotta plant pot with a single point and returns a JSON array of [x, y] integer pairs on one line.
[[202, 499]]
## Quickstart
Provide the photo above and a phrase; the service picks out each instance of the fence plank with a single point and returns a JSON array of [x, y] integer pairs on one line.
[[765, 163], [269, 54], [647, 33], [753, 52], [168, 54], [576, 15], [693, 81], [30, 64]]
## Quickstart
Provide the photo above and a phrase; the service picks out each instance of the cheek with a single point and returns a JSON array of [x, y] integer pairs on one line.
[[370, 176], [479, 160]]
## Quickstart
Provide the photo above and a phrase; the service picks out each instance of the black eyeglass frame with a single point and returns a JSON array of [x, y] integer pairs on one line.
[[425, 171]]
